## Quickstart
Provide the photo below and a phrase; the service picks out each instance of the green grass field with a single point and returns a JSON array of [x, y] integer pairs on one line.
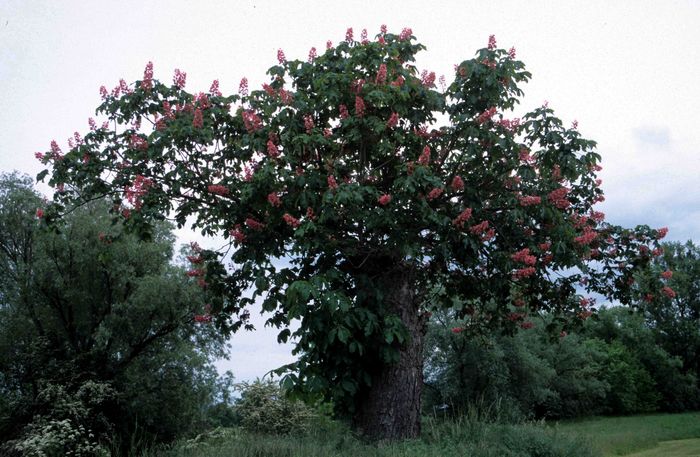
[[655, 435]]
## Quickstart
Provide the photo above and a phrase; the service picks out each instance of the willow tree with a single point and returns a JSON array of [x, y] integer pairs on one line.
[[357, 195]]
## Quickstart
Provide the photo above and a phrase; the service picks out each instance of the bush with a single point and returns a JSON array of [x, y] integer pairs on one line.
[[263, 408]]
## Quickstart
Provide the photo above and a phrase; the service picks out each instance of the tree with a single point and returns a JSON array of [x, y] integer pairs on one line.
[[385, 197], [97, 332]]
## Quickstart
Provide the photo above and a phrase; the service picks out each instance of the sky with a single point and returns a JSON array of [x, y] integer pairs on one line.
[[627, 71]]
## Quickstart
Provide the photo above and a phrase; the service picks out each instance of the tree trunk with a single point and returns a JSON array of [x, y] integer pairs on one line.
[[390, 409]]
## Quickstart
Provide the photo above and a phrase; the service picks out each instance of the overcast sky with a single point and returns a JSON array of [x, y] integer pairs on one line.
[[627, 71]]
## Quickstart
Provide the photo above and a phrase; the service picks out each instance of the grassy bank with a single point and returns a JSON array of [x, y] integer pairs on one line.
[[629, 435]]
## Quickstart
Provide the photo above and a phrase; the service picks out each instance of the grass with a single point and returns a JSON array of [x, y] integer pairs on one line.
[[653, 435], [464, 437]]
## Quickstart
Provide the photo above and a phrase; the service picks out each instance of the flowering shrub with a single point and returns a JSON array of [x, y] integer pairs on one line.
[[337, 134]]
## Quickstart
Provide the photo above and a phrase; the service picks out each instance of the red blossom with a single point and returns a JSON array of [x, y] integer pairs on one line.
[[195, 259], [463, 217], [492, 42], [214, 88], [363, 36], [424, 158], [428, 79], [343, 112], [218, 189], [527, 325], [202, 318], [558, 198], [384, 199], [103, 93], [272, 150], [195, 273], [524, 256], [667, 274], [253, 224], [435, 193], [310, 213], [479, 228], [198, 120], [280, 57], [405, 34], [457, 183], [237, 234], [332, 184], [312, 55], [291, 220], [243, 87], [511, 53], [670, 293], [180, 78], [308, 123], [251, 121], [147, 83], [359, 106], [393, 120], [529, 200], [274, 199], [661, 233], [524, 273], [457, 330], [39, 213], [381, 75], [349, 35], [486, 115], [657, 252], [589, 235]]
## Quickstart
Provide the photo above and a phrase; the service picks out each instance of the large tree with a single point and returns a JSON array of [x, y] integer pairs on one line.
[[358, 196]]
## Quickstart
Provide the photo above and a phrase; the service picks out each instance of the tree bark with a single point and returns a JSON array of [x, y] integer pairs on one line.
[[390, 409]]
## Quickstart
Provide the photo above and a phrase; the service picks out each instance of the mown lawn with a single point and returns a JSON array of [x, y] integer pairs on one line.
[[654, 435]]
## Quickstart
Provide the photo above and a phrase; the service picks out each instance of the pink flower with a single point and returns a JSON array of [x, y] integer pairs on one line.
[[492, 42], [457, 330], [398, 82], [479, 228], [457, 183], [308, 123], [139, 143], [237, 234], [435, 193], [243, 87], [180, 78], [524, 273], [197, 121], [312, 55], [574, 124], [343, 112], [195, 273], [511, 53], [463, 217], [670, 293], [424, 158], [545, 246], [382, 29], [349, 35], [202, 318], [589, 235], [272, 150], [667, 274], [527, 325], [558, 198], [359, 106], [486, 115], [103, 93], [291, 220], [310, 213], [524, 256], [661, 233], [384, 199], [214, 88], [329, 44], [428, 79], [657, 252], [363, 36], [253, 224], [405, 34], [280, 57], [147, 83], [529, 200], [251, 121], [381, 75], [332, 184], [218, 189], [39, 155], [274, 199], [39, 213]]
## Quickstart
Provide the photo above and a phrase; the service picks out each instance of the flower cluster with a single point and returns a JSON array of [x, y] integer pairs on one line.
[[393, 121], [405, 34], [343, 110], [280, 57], [237, 234], [529, 200], [291, 220], [558, 198], [147, 83], [274, 199], [251, 121], [435, 193], [180, 78], [486, 115], [243, 87], [359, 106], [524, 256], [381, 75], [308, 123], [332, 184], [424, 158], [254, 224], [384, 199], [463, 217], [492, 42], [218, 189]]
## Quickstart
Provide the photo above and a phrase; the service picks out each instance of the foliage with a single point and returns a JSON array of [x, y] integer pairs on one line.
[[96, 332], [372, 183], [613, 365], [263, 408]]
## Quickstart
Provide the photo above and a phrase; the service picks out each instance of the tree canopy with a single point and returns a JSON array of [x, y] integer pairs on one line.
[[358, 194]]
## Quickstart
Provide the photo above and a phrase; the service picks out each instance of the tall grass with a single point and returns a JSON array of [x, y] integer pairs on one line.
[[464, 436]]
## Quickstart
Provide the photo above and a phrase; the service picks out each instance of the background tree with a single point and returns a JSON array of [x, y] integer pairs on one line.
[[97, 333], [387, 197]]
